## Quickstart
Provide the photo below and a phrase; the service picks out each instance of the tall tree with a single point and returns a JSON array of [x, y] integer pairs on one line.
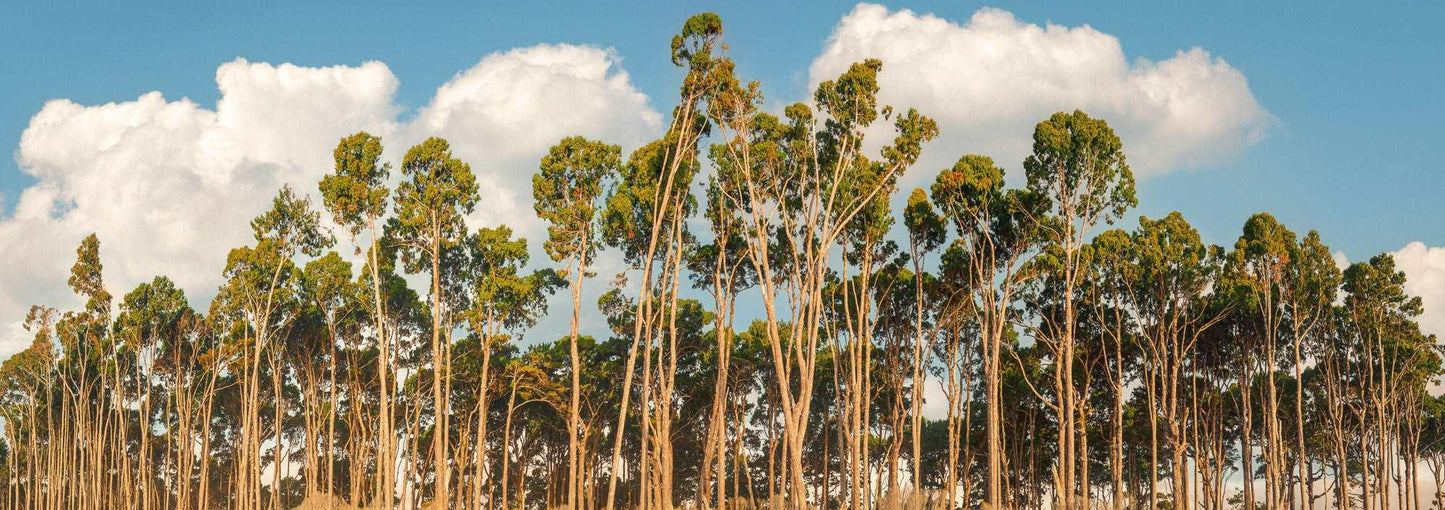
[[438, 192], [1175, 271], [355, 193], [1289, 284], [566, 190], [1078, 164], [328, 295], [995, 239], [926, 233], [504, 302], [259, 293]]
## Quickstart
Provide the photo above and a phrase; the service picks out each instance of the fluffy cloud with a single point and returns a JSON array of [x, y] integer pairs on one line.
[[1424, 268], [505, 112], [169, 185], [988, 81]]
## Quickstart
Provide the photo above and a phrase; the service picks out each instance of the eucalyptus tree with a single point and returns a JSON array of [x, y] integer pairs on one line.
[[1313, 280], [259, 296], [504, 302], [1289, 284], [794, 172], [864, 252], [868, 186], [641, 198], [1338, 359], [995, 238], [438, 191], [1078, 165], [25, 395], [927, 231], [646, 217], [895, 306], [188, 371], [958, 346], [330, 301], [1433, 443], [355, 194], [721, 268], [1175, 271], [566, 190], [87, 386], [1112, 276], [152, 315], [1397, 361]]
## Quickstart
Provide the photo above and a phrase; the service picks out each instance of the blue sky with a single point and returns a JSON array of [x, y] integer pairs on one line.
[[1355, 92], [1356, 88]]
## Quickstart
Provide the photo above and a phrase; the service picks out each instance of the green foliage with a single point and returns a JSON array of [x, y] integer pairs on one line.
[[1078, 162], [86, 279], [355, 192], [291, 226], [1172, 266], [501, 293], [438, 192], [566, 189], [781, 192], [1270, 264], [693, 46], [926, 228], [971, 195], [152, 312], [632, 205]]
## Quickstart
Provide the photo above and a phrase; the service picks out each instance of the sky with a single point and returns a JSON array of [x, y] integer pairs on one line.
[[165, 127]]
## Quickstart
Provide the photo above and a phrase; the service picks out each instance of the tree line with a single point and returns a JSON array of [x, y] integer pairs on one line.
[[770, 343]]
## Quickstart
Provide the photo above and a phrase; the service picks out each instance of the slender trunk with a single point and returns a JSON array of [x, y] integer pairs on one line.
[[574, 421], [440, 377]]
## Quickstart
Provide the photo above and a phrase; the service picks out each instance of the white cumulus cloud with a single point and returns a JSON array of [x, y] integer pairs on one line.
[[1424, 268], [170, 185], [989, 80], [504, 113]]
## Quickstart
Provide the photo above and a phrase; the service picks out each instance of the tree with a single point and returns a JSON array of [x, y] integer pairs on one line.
[[1113, 274], [355, 193], [566, 190], [995, 239], [1290, 284], [1078, 164], [1175, 271], [503, 303], [151, 315], [329, 296], [430, 205], [926, 233], [259, 299], [1168, 357], [1397, 359]]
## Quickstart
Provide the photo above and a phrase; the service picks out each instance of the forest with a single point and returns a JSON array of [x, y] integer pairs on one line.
[[784, 309]]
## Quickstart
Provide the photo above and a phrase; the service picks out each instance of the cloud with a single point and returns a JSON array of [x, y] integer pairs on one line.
[[989, 80], [1424, 268], [1341, 261], [504, 113], [169, 185]]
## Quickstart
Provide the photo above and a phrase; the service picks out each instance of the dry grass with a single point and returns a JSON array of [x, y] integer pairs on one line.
[[321, 501]]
